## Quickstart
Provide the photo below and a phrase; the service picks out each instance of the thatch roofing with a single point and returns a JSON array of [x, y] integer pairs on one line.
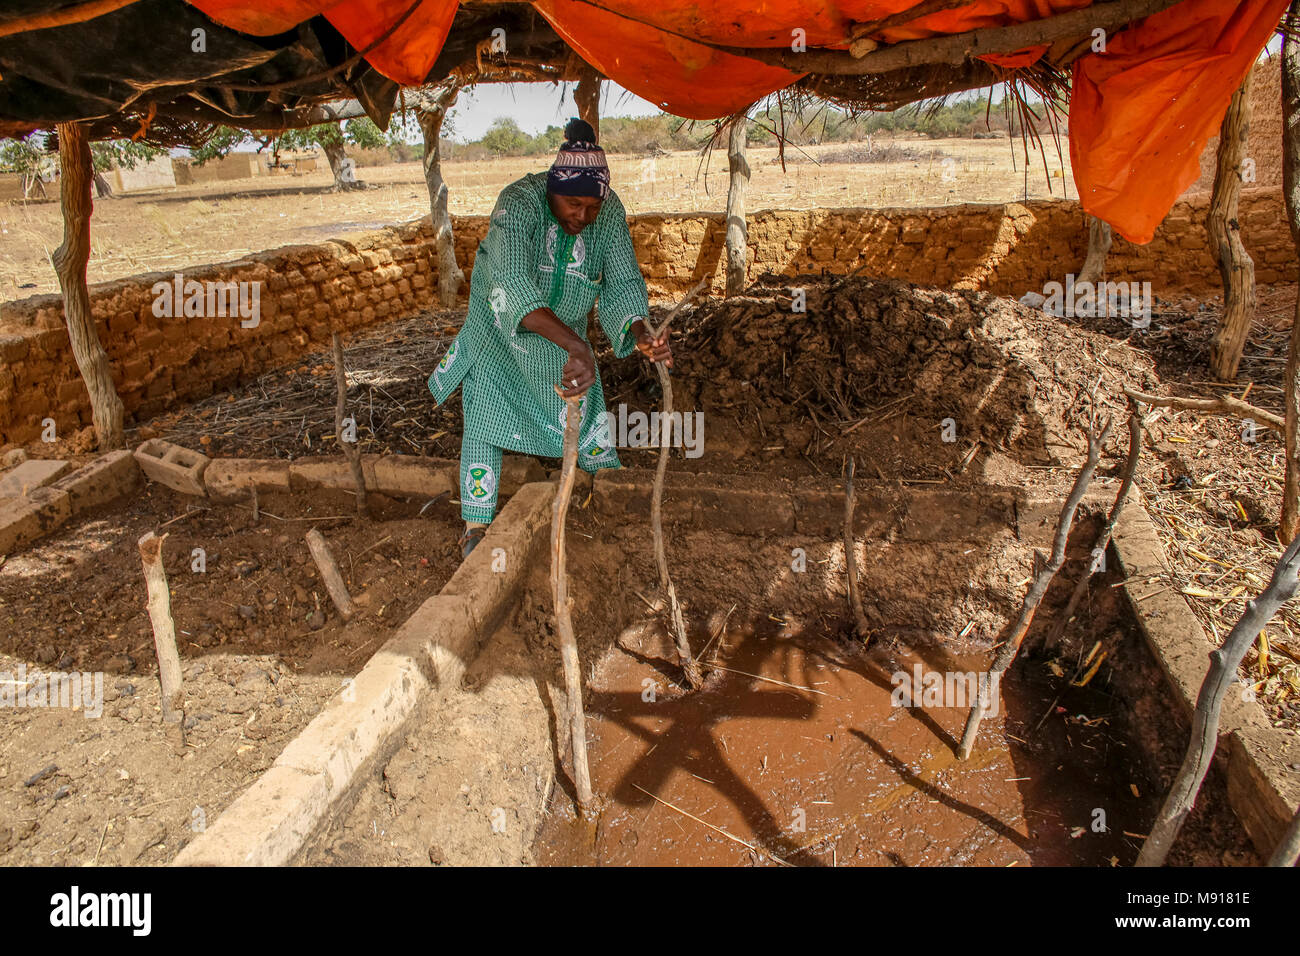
[[1143, 100]]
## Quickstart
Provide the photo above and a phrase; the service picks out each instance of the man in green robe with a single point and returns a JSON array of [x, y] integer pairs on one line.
[[557, 244]]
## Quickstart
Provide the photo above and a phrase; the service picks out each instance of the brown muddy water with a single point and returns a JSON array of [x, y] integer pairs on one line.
[[801, 750]]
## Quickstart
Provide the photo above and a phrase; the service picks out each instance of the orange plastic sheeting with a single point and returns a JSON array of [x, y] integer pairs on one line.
[[649, 46], [405, 57], [683, 77], [1141, 113], [262, 19]]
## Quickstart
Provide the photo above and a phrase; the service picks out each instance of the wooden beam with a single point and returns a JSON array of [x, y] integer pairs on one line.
[[959, 47], [62, 18]]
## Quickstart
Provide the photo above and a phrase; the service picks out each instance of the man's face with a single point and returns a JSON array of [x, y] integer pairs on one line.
[[574, 213]]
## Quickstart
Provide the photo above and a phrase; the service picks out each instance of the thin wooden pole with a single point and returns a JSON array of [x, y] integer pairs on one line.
[[737, 239], [988, 686], [586, 96], [431, 111], [1104, 535], [690, 667], [1290, 66], [69, 262], [563, 605], [350, 450], [164, 628], [1209, 704], [329, 573], [1094, 266]]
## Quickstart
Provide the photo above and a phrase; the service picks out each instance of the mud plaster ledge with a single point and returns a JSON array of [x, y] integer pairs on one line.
[[1262, 791], [272, 821]]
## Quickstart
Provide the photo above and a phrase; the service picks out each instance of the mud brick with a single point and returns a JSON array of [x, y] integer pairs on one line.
[[957, 516], [178, 468], [617, 496], [417, 477], [228, 479], [23, 520], [516, 471], [30, 475], [336, 472], [739, 510], [105, 479]]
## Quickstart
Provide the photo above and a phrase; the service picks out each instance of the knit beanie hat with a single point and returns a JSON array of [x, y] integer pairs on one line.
[[580, 168]]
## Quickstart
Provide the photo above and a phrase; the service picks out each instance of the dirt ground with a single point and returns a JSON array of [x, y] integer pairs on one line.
[[186, 226], [795, 746], [261, 645]]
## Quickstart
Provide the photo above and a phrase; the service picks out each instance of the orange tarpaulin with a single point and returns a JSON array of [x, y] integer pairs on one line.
[[1140, 113]]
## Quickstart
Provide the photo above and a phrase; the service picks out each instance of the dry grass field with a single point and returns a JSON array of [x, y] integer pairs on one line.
[[176, 228]]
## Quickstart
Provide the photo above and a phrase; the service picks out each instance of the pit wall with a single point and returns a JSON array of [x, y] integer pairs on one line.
[[161, 362]]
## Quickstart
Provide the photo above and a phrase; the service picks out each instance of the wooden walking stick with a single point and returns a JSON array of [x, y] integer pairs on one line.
[[989, 685], [560, 595], [677, 624]]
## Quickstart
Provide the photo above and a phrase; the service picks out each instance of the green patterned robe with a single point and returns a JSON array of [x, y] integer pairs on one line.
[[507, 373]]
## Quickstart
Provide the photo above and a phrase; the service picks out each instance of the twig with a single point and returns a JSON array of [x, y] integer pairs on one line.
[[1223, 405], [563, 616], [729, 836]]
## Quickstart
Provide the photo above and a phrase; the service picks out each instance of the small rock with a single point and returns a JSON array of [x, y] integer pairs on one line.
[[13, 458], [65, 662], [247, 612], [40, 775], [45, 653], [130, 713], [126, 689], [61, 793], [245, 568], [140, 836], [317, 620]]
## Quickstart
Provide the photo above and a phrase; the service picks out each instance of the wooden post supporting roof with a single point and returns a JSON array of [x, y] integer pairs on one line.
[[431, 110], [1224, 229], [737, 227], [70, 264]]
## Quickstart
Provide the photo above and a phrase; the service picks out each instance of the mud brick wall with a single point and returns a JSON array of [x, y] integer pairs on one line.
[[309, 291]]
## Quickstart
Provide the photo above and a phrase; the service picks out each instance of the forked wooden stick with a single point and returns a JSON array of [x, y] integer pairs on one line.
[[677, 624], [560, 595], [989, 685], [1107, 529]]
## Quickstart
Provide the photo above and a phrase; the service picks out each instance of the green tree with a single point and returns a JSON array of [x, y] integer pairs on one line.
[[505, 138]]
